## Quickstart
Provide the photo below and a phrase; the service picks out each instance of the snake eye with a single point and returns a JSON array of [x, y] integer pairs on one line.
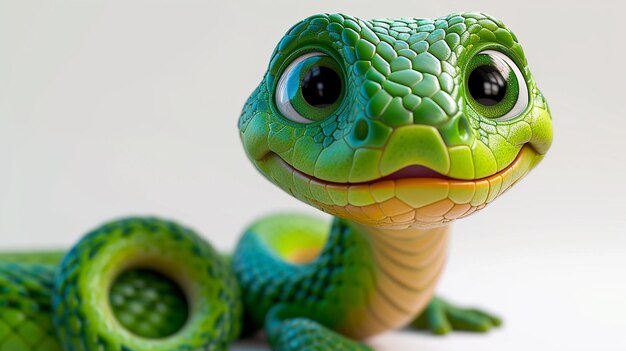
[[496, 86], [310, 88]]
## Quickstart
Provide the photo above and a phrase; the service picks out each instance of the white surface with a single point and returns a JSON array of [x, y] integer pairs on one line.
[[130, 107]]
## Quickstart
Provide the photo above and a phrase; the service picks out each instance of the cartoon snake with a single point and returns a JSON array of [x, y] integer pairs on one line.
[[396, 127]]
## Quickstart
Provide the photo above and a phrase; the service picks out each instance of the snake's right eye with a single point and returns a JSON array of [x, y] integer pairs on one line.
[[310, 89], [496, 86]]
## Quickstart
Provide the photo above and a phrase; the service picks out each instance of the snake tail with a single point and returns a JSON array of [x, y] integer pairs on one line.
[[131, 284]]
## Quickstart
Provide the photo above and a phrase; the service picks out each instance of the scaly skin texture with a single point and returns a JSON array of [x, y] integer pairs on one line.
[[25, 307], [404, 149], [133, 284]]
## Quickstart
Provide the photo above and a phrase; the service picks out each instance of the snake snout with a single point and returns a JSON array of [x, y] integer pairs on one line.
[[415, 145]]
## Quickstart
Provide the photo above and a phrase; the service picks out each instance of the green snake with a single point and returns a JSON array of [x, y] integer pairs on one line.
[[396, 127]]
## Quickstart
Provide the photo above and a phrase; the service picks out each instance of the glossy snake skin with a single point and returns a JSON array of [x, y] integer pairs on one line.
[[131, 284], [396, 127]]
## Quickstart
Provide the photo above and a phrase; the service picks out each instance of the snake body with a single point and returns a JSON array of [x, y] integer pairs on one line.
[[131, 284], [396, 127]]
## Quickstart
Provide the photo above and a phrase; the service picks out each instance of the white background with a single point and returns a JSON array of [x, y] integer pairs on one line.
[[130, 107]]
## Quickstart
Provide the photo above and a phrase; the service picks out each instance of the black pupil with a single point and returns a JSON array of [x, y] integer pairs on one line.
[[487, 85], [321, 86]]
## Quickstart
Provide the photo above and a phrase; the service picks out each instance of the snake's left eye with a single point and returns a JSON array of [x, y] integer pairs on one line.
[[496, 86], [310, 88]]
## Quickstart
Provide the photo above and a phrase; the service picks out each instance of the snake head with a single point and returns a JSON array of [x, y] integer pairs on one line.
[[397, 123]]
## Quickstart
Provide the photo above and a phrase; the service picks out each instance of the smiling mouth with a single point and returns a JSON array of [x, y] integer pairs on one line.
[[412, 172], [414, 196]]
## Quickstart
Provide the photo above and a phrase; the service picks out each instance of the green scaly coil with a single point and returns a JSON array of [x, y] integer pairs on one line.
[[132, 284]]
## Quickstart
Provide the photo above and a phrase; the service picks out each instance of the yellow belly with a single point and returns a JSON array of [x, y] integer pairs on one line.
[[408, 264]]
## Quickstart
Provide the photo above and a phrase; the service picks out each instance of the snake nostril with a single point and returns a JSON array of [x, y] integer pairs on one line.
[[457, 131], [464, 128], [361, 130]]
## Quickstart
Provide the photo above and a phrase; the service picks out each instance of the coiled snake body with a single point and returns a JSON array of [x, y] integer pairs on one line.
[[396, 127]]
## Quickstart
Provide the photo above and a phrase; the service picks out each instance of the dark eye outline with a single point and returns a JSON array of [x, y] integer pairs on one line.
[[504, 63], [282, 101]]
